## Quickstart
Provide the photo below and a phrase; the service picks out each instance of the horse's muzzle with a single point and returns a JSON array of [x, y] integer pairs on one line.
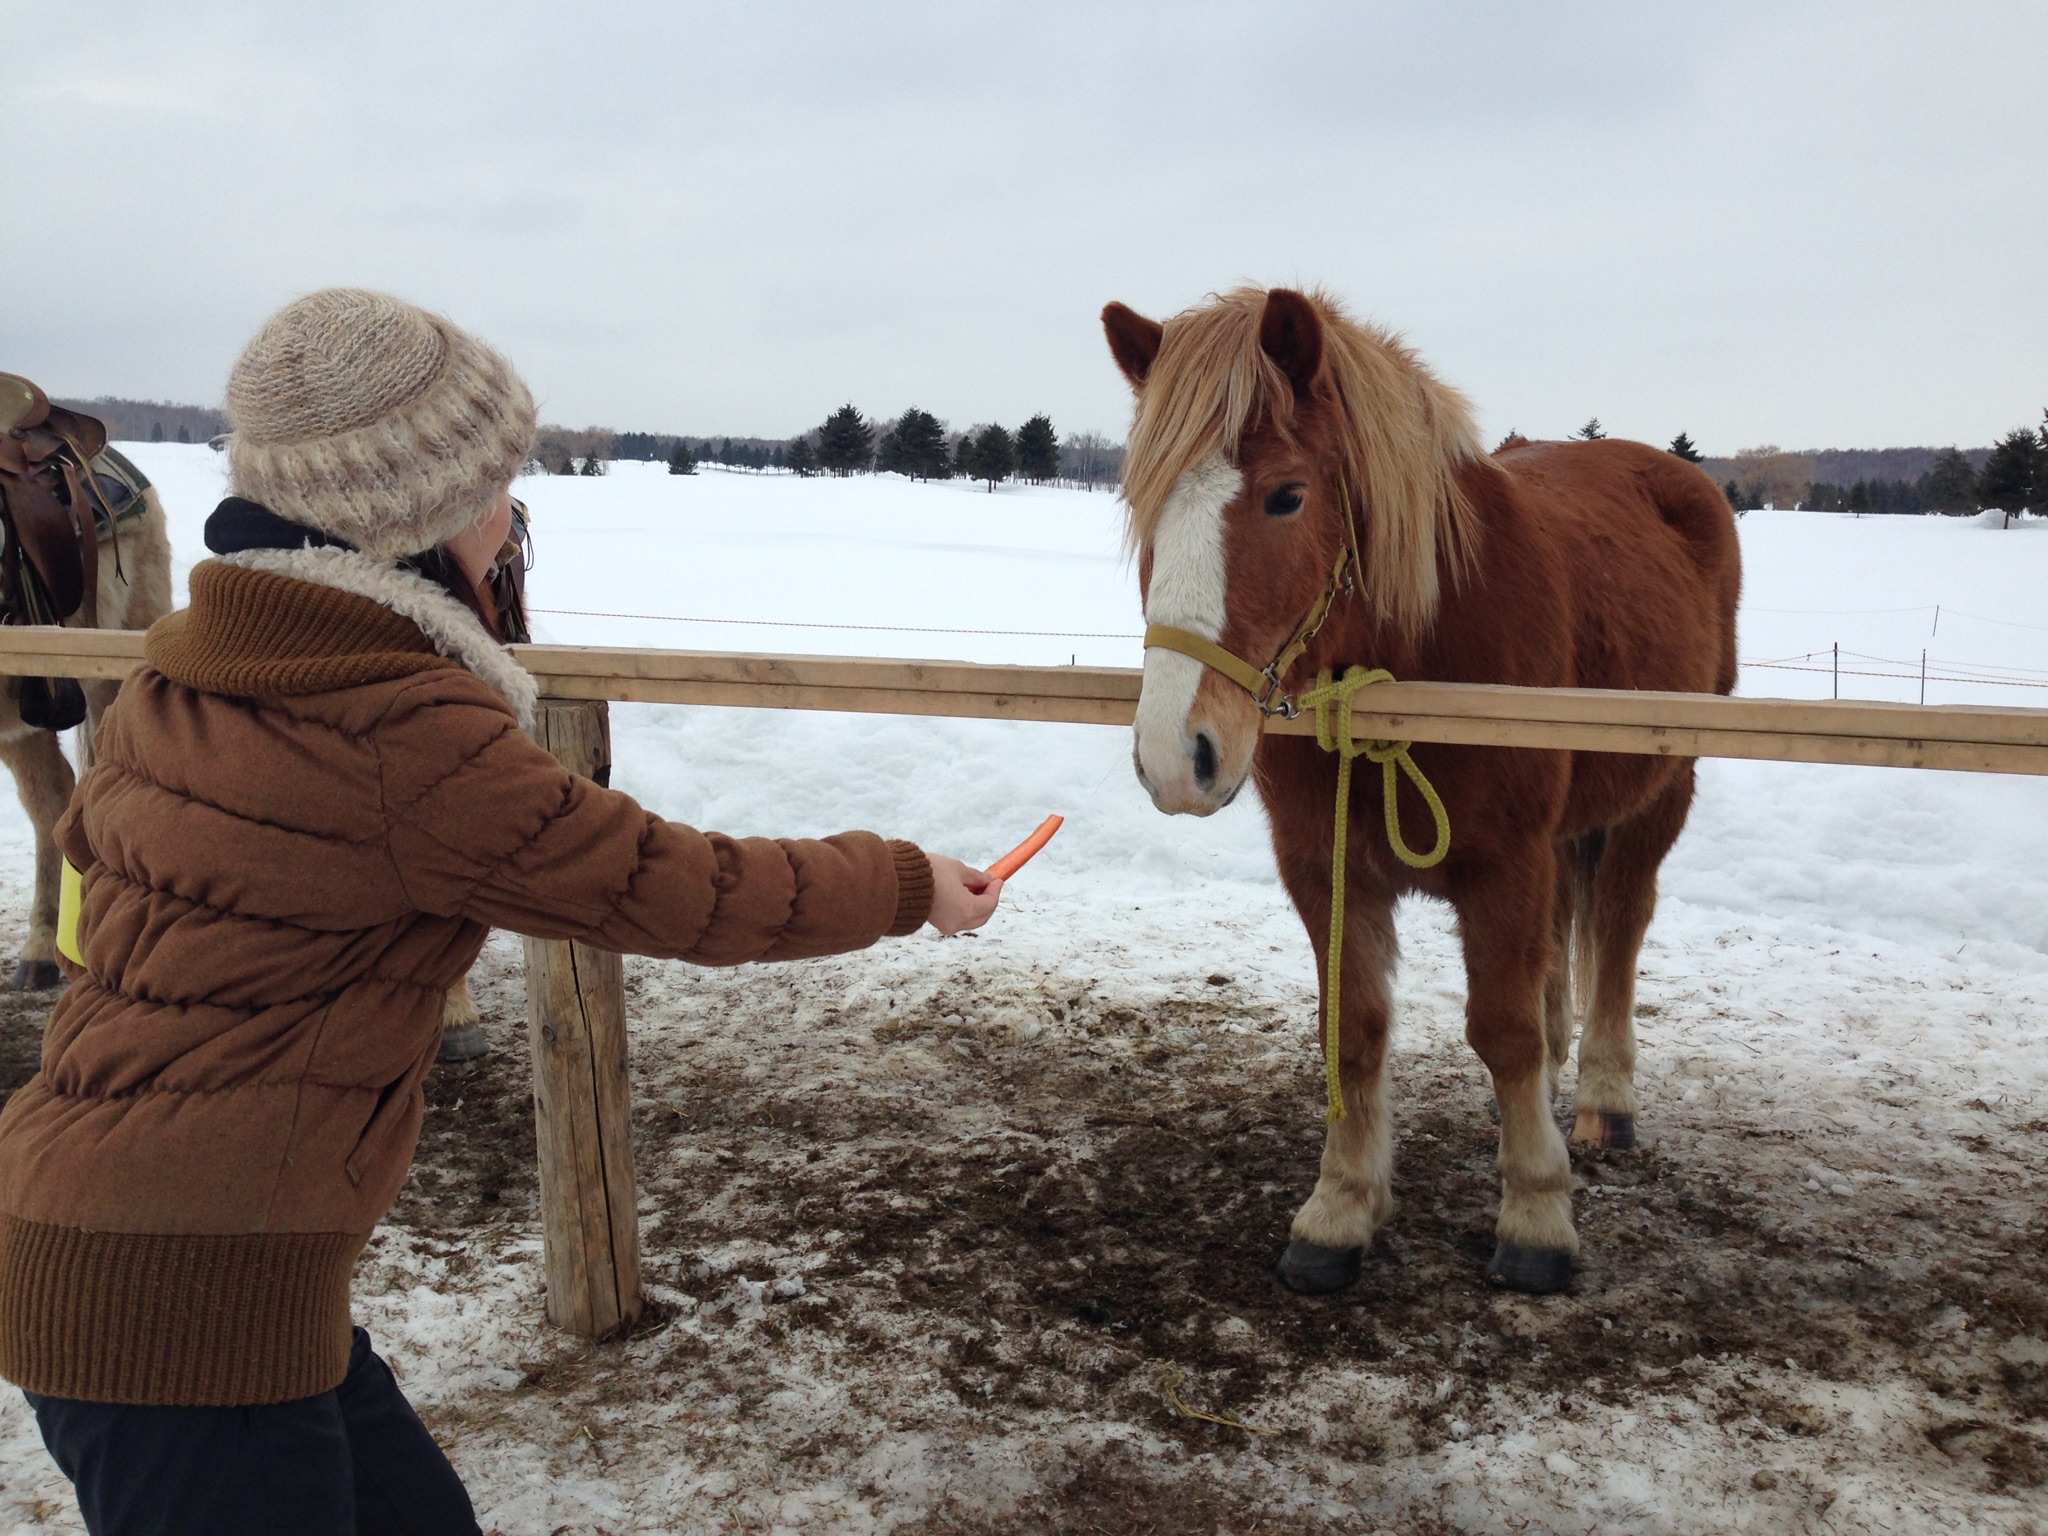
[[1194, 742]]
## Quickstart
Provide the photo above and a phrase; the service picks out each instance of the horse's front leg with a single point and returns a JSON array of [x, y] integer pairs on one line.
[[1504, 913], [43, 778], [1354, 1193]]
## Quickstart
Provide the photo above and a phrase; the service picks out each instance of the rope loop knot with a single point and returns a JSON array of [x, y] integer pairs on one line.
[[1331, 700]]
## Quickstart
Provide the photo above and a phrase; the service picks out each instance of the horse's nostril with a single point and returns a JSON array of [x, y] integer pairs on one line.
[[1205, 760]]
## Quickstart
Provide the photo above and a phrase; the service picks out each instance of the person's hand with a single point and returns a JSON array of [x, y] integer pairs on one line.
[[962, 897]]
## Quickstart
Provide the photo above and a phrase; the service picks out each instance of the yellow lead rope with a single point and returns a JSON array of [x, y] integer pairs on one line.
[[1332, 703]]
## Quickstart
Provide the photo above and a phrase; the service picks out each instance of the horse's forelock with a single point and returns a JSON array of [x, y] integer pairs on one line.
[[1209, 383]]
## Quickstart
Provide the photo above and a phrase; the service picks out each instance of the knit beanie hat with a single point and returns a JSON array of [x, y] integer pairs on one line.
[[374, 421]]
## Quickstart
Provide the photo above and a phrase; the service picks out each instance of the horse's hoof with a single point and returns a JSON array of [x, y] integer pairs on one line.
[[463, 1042], [1314, 1270], [1607, 1128], [37, 976], [1538, 1271]]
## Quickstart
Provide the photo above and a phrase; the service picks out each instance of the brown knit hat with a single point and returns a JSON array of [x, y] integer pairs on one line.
[[371, 420]]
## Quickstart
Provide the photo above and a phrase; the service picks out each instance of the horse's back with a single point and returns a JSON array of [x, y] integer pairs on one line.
[[1655, 566]]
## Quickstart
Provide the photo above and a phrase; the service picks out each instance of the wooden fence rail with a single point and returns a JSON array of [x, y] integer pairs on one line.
[[575, 996], [1982, 739]]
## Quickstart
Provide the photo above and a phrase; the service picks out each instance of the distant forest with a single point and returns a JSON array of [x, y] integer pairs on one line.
[[1845, 466], [916, 444], [151, 421], [2011, 476]]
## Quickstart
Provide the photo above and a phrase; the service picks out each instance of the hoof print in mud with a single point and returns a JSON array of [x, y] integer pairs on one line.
[[1314, 1270], [1605, 1128], [1539, 1271], [37, 976]]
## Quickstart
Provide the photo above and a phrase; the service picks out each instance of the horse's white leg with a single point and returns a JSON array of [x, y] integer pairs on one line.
[[42, 777], [1505, 918], [1559, 1012], [1354, 1192], [462, 1026], [1624, 897]]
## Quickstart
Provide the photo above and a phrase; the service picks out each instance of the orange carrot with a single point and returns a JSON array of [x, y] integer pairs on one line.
[[1021, 855]]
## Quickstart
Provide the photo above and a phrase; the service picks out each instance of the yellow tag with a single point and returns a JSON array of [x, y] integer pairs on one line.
[[70, 896]]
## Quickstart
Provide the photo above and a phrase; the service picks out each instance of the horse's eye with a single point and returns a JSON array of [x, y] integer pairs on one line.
[[1286, 501]]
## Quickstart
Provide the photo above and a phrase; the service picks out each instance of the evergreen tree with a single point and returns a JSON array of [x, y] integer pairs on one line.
[[889, 452], [1592, 431], [800, 458], [2015, 477], [1741, 500], [156, 432], [921, 445], [184, 434], [1038, 449], [593, 464], [1951, 486], [682, 461], [1682, 446], [993, 456], [963, 454], [845, 442]]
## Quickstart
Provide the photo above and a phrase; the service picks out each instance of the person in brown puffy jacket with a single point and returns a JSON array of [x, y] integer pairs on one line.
[[304, 815]]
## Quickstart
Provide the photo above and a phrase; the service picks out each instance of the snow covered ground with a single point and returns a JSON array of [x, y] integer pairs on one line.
[[927, 1225]]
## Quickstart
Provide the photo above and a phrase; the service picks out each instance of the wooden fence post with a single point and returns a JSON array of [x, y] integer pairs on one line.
[[582, 1100]]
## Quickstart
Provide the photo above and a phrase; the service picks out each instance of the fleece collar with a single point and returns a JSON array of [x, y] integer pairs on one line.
[[450, 628]]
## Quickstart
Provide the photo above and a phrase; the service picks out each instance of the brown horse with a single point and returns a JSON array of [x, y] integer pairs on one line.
[[134, 591], [1285, 458]]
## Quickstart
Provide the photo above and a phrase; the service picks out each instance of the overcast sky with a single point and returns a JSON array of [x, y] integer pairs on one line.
[[1817, 225]]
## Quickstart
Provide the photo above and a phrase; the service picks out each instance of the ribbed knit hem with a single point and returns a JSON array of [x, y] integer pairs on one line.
[[127, 1317], [913, 888]]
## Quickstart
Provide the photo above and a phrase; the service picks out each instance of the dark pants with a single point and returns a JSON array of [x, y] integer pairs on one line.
[[356, 1461]]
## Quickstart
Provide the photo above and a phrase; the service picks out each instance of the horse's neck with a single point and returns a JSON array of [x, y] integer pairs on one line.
[[1472, 633]]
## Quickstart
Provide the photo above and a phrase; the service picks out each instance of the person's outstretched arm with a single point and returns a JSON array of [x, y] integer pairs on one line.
[[485, 824]]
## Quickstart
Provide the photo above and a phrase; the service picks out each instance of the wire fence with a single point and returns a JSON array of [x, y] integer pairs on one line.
[[1926, 670], [1922, 672]]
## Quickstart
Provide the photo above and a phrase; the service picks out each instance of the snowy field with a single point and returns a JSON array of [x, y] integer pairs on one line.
[[930, 1229]]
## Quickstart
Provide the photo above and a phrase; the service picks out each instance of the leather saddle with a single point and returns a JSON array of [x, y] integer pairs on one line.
[[57, 499]]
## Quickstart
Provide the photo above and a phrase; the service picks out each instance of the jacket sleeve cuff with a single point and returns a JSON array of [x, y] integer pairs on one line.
[[913, 888]]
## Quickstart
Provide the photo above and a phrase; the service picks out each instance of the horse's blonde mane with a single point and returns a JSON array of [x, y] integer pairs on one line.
[[1403, 435]]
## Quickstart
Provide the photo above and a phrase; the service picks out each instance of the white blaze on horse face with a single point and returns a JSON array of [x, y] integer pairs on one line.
[[1187, 592]]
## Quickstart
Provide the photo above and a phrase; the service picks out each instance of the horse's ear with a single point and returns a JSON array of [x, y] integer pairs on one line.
[[1291, 333], [1133, 341]]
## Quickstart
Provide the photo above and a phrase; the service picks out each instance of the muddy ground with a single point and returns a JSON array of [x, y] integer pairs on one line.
[[1050, 1228]]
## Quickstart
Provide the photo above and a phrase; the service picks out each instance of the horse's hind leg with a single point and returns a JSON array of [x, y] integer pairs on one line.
[[1624, 897], [1559, 1015], [1504, 915], [1354, 1191], [43, 779]]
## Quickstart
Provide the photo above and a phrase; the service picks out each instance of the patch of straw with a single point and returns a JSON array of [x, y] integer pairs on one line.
[[1170, 1379]]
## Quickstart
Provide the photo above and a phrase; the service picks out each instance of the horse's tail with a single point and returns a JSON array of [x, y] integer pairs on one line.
[[1586, 850]]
